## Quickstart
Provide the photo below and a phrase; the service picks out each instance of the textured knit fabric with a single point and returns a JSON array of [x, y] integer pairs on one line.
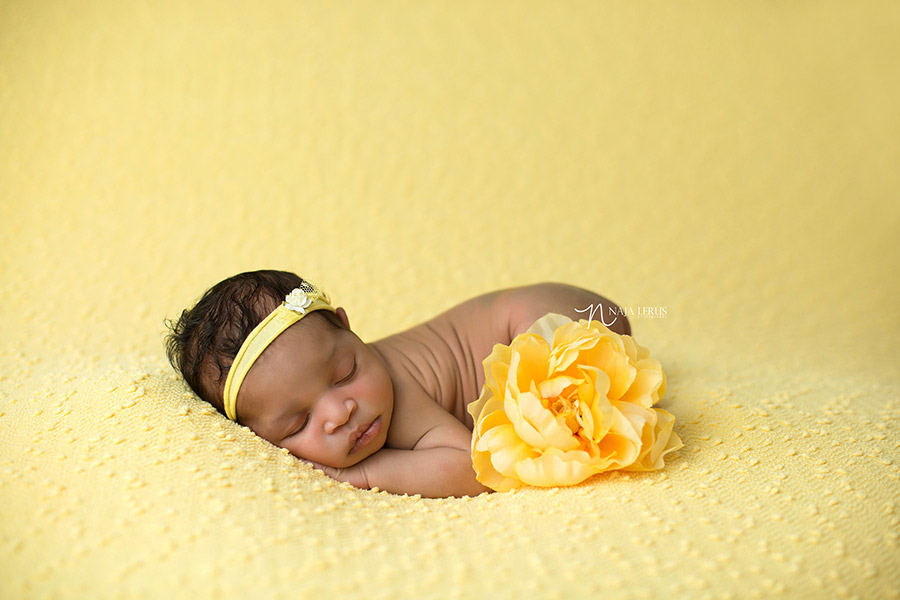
[[725, 171]]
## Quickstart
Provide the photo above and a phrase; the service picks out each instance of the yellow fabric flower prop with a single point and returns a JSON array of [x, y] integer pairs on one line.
[[567, 400]]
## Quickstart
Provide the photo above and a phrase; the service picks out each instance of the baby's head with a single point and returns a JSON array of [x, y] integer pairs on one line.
[[314, 389]]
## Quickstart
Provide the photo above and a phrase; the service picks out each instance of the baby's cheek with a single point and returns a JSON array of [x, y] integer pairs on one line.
[[294, 450]]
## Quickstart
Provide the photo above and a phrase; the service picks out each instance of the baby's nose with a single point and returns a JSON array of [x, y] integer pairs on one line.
[[342, 413]]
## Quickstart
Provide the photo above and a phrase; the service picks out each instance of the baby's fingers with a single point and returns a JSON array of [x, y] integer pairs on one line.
[[332, 472], [352, 475]]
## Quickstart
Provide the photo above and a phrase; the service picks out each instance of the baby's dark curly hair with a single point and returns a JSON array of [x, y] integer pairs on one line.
[[203, 343]]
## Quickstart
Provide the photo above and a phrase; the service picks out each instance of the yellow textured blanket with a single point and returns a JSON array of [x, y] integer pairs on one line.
[[726, 172]]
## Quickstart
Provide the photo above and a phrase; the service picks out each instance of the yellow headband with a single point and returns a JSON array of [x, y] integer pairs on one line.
[[299, 303]]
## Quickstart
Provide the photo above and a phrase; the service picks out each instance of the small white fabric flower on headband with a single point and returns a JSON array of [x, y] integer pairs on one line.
[[297, 301]]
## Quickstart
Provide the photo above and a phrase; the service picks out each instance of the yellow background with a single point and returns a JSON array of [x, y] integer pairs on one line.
[[735, 163]]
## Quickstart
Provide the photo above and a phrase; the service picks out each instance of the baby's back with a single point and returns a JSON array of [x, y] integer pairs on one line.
[[444, 355], [442, 358]]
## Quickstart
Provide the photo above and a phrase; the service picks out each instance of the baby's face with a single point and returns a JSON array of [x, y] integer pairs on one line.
[[320, 392]]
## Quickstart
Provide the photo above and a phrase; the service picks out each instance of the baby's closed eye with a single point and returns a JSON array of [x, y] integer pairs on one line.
[[349, 375], [299, 428]]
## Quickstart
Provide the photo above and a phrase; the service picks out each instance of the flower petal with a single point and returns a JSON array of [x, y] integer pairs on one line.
[[551, 428], [648, 386], [487, 429], [658, 439], [622, 443], [555, 467], [476, 407], [595, 409], [617, 450], [528, 362], [555, 386], [496, 369], [609, 356], [507, 450], [568, 343], [488, 475], [546, 325]]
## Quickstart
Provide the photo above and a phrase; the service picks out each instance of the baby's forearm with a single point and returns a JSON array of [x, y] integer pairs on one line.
[[433, 473]]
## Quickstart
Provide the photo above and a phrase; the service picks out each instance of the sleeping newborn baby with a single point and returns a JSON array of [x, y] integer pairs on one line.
[[270, 351]]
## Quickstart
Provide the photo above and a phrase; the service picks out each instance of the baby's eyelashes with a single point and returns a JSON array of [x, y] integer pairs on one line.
[[349, 375], [299, 429]]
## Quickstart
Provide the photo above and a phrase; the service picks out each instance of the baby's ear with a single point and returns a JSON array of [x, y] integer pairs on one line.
[[342, 315]]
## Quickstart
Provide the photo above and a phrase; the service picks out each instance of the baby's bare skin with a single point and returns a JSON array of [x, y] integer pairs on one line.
[[441, 359], [417, 382]]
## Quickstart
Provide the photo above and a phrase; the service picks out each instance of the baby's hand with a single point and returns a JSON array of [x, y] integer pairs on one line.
[[355, 475]]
